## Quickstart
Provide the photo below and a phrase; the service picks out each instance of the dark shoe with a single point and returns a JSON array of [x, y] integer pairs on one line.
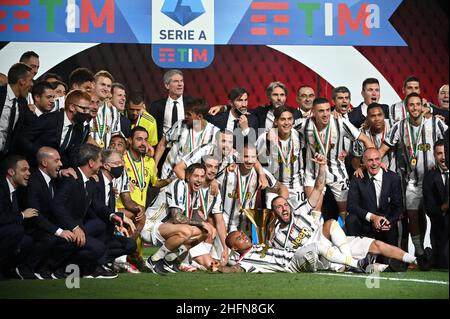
[[171, 266], [102, 272], [397, 265], [43, 274], [425, 261], [156, 267], [24, 272], [140, 264], [366, 261], [59, 274]]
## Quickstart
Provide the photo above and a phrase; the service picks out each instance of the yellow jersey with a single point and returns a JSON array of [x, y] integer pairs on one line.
[[141, 174], [148, 122]]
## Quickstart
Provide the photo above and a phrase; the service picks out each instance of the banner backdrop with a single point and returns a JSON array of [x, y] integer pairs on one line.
[[184, 32]]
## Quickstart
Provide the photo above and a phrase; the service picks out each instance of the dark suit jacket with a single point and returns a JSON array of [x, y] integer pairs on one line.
[[357, 118], [7, 215], [261, 113], [221, 120], [434, 192], [125, 125], [362, 199], [439, 111], [18, 128], [39, 196], [157, 110], [47, 131], [73, 205]]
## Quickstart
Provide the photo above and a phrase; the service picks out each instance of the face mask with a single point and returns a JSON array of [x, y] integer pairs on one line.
[[82, 117], [116, 172]]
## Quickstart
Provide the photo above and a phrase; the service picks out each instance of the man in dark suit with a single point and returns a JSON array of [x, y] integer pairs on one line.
[[14, 244], [13, 105], [237, 119], [435, 201], [371, 94], [374, 202], [169, 110], [53, 245], [117, 241], [75, 208], [119, 99], [277, 94], [60, 130]]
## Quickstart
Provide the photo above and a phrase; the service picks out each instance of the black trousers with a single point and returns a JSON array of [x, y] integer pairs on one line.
[[15, 246], [439, 241]]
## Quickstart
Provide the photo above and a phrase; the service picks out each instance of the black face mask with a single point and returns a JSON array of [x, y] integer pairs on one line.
[[116, 172], [82, 117]]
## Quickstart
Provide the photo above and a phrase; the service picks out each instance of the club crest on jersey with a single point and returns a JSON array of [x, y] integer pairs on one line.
[[234, 195], [425, 147]]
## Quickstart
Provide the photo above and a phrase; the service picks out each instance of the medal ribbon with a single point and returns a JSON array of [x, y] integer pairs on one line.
[[192, 143], [204, 201], [373, 137], [242, 192], [101, 127], [324, 147], [187, 203], [138, 177], [413, 141], [289, 154]]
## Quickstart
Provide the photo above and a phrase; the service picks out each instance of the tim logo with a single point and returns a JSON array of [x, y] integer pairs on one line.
[[182, 33], [82, 17], [264, 12]]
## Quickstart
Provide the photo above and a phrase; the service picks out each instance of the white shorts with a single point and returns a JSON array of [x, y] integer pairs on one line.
[[150, 234], [305, 259], [339, 189], [200, 250], [359, 246], [413, 195]]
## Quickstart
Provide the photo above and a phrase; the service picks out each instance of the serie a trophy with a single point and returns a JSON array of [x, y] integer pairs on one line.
[[263, 220]]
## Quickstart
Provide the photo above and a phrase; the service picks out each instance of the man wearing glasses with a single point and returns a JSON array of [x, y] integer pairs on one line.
[[60, 130]]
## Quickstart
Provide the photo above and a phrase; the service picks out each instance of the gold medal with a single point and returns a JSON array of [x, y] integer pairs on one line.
[[101, 144], [413, 162]]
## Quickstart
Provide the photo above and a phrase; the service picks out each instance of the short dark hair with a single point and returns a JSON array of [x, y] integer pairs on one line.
[[138, 129], [80, 76], [88, 152], [273, 200], [410, 95], [198, 106], [410, 78], [320, 100], [117, 85], [439, 142], [369, 81], [375, 105], [18, 71], [236, 93], [119, 135], [27, 55], [280, 110], [304, 86], [228, 239], [47, 76], [11, 162], [39, 88], [339, 89], [191, 168], [57, 83], [136, 97]]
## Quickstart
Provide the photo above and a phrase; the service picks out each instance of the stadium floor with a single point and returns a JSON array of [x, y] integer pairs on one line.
[[203, 285]]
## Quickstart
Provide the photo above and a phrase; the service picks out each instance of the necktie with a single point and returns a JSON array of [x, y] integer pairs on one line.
[[373, 189], [85, 133], [9, 132], [66, 138], [51, 187], [15, 202], [174, 112], [111, 201]]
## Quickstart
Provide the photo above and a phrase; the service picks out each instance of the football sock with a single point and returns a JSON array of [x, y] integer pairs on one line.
[[408, 258], [140, 247], [417, 245], [162, 251], [333, 254], [339, 239]]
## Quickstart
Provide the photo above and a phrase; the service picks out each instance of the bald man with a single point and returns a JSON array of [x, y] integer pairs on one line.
[[375, 201]]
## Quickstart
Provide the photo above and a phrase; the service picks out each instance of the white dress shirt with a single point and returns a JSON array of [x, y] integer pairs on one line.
[[168, 112], [377, 181], [5, 115], [67, 122]]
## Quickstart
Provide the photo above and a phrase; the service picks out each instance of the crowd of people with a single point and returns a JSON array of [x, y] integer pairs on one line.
[[91, 174]]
